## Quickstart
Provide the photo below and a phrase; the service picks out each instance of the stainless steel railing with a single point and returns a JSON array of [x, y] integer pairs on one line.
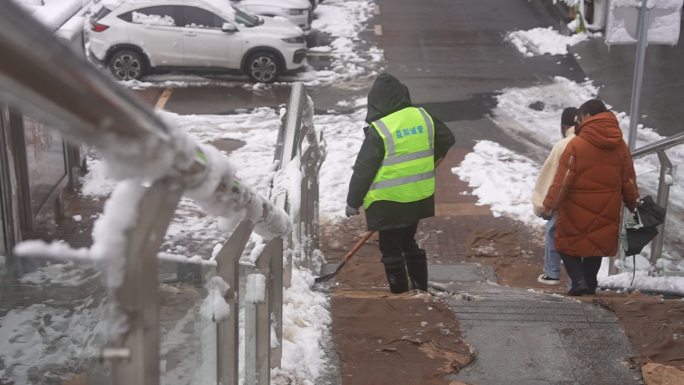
[[664, 182], [40, 75]]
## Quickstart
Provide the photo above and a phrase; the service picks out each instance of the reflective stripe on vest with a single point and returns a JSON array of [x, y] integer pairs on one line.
[[407, 173]]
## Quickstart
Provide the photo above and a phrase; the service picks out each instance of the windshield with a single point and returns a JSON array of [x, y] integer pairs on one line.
[[245, 18]]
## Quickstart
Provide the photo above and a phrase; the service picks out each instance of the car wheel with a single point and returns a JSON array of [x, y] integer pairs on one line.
[[263, 67], [127, 65]]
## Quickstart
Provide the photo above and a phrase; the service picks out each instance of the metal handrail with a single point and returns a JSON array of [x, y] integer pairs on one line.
[[665, 180], [660, 145], [40, 75]]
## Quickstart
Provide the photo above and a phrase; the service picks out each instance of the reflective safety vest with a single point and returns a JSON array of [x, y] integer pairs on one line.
[[407, 173]]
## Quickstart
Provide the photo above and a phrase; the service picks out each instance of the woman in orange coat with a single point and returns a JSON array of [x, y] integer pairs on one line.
[[594, 175]]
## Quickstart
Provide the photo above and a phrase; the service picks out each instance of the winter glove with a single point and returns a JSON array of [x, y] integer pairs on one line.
[[350, 211]]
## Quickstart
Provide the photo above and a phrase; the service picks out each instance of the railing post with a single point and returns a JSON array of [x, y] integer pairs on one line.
[[258, 319], [228, 331], [304, 215], [137, 358], [664, 183], [276, 297]]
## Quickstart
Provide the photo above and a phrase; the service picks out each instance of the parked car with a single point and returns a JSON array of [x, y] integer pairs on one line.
[[139, 35], [299, 12]]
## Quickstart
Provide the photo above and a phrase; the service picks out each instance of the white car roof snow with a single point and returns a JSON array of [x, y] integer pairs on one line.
[[220, 7], [288, 4]]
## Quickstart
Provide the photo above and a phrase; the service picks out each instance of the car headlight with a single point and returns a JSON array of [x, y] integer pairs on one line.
[[294, 40], [295, 12]]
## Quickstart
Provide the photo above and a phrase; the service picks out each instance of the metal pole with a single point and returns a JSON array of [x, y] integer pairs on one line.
[[663, 197], [228, 331], [258, 322], [137, 297], [276, 296], [642, 33]]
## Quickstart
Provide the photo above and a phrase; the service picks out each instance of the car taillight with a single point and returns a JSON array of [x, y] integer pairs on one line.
[[97, 27]]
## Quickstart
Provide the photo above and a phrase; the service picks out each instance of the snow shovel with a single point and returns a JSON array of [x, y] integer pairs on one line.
[[346, 258]]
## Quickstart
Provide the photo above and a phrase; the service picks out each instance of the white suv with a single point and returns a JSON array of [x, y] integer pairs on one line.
[[137, 35]]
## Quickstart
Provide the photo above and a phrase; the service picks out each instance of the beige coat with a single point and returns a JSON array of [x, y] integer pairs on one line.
[[548, 171]]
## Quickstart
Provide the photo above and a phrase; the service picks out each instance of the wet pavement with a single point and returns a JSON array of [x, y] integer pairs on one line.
[[663, 81], [525, 337]]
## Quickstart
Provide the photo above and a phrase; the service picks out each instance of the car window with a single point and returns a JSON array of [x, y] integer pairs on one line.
[[194, 17], [102, 12], [158, 15], [245, 18]]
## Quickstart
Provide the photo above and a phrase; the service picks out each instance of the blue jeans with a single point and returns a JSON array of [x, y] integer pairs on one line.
[[552, 259]]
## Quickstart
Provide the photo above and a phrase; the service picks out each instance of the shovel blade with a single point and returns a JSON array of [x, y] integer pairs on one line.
[[324, 278]]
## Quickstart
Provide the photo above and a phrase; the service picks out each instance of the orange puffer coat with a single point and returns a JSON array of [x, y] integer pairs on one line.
[[594, 174]]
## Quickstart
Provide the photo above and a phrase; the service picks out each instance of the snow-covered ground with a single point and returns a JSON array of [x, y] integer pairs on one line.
[[518, 113], [540, 41], [194, 235], [306, 313]]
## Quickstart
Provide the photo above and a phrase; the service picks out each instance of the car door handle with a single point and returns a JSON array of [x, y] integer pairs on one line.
[[190, 34]]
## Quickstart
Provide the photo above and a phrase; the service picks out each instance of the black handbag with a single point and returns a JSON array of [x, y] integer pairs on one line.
[[649, 215]]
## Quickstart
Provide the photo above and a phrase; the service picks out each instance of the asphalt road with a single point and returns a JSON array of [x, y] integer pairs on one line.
[[663, 81]]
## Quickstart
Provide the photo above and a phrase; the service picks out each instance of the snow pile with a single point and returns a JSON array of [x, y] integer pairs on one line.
[[540, 41], [306, 329], [289, 181], [63, 274], [40, 341], [258, 130], [157, 20], [343, 18], [345, 132], [643, 282], [110, 233], [539, 128], [214, 307], [255, 288], [506, 186], [53, 250], [353, 57]]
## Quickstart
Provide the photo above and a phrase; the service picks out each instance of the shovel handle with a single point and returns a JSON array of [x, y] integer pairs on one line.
[[357, 246], [347, 257]]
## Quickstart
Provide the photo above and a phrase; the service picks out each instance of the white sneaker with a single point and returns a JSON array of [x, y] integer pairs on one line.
[[547, 280]]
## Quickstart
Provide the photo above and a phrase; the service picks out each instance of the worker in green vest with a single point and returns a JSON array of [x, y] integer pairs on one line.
[[394, 178]]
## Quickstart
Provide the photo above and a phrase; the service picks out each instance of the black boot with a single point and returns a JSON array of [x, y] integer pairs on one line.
[[416, 265], [573, 265], [397, 277], [591, 266]]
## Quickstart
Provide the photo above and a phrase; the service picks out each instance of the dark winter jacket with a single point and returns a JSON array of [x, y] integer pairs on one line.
[[389, 95], [594, 175]]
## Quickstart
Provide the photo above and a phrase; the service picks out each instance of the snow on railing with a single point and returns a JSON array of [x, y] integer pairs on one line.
[[157, 163]]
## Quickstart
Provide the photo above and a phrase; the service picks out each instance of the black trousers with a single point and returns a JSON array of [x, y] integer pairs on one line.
[[582, 269], [398, 244]]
